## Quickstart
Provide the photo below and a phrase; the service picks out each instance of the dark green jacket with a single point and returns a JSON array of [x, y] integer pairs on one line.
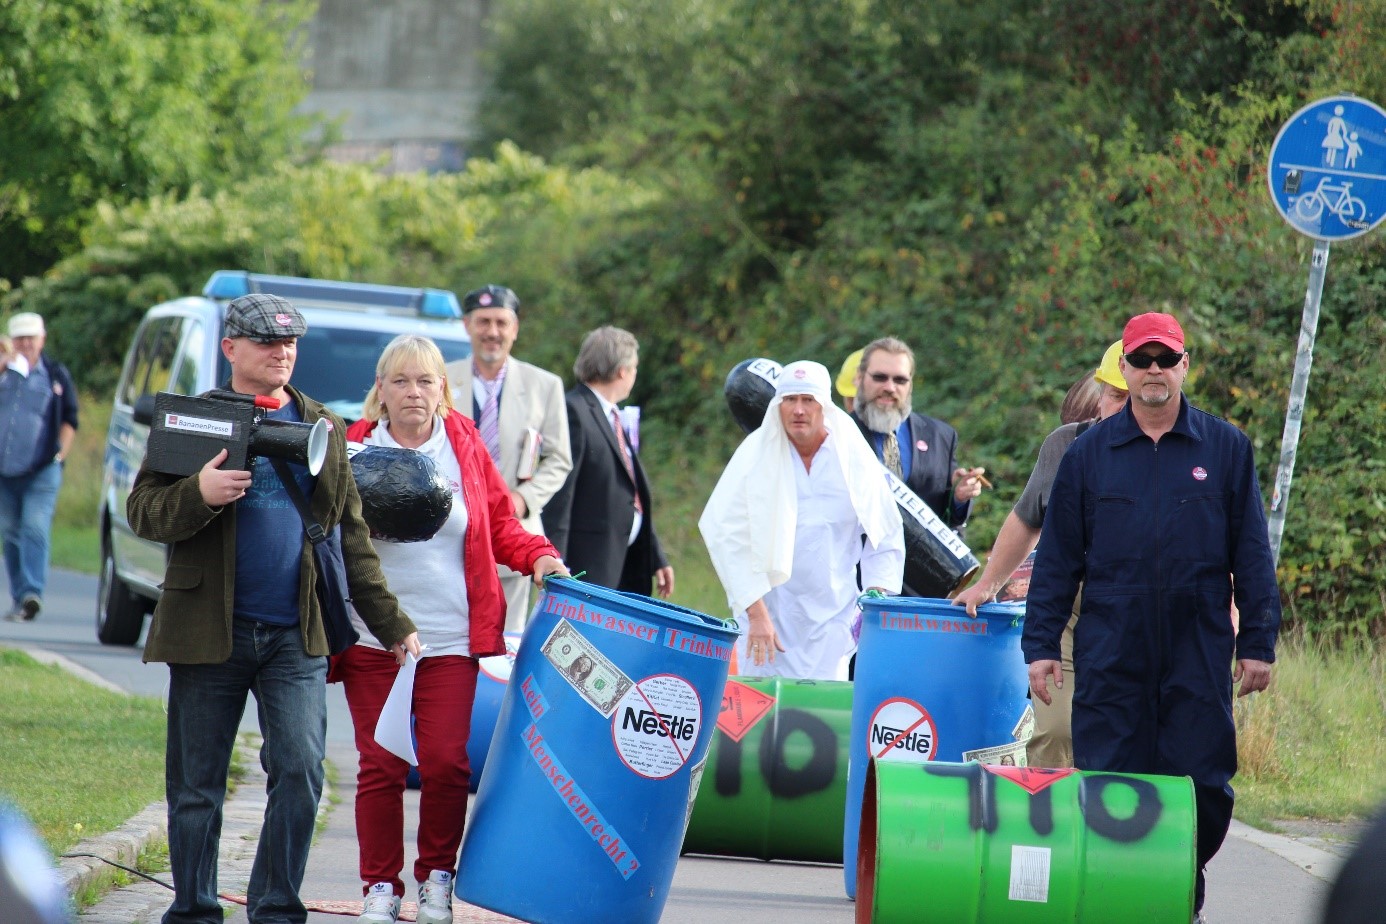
[[192, 623]]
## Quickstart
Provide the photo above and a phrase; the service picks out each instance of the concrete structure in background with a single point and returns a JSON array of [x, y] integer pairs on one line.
[[401, 78]]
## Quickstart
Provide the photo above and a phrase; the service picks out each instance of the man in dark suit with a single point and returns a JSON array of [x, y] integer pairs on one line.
[[920, 450], [601, 518]]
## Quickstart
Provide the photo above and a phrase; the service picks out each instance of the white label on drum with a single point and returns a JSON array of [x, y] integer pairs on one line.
[[902, 731], [656, 725], [767, 369], [1029, 874], [500, 667], [912, 504]]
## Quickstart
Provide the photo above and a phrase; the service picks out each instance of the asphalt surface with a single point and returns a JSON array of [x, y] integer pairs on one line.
[[1257, 878]]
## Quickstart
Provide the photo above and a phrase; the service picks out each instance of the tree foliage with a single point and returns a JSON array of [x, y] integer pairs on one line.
[[122, 99], [1000, 183]]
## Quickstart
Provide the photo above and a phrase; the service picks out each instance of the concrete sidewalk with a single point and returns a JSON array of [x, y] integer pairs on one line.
[[1258, 877]]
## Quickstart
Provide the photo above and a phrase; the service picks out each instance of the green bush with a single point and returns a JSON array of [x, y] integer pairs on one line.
[[792, 180]]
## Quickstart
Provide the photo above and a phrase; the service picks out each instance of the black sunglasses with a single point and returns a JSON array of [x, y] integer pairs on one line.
[[880, 378], [1164, 360]]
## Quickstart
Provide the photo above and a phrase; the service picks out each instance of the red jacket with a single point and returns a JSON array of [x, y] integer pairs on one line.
[[493, 533]]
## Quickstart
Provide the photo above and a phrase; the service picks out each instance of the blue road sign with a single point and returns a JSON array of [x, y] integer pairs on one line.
[[1327, 171]]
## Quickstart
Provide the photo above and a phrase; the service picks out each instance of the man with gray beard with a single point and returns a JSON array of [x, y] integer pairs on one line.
[[920, 450]]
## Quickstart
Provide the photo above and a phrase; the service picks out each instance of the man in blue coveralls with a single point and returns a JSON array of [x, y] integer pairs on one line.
[[1158, 512]]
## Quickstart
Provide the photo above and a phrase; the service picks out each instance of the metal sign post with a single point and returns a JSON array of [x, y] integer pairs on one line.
[[1327, 178], [1299, 387]]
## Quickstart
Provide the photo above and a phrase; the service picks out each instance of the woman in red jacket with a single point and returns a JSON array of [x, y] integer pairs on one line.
[[448, 585]]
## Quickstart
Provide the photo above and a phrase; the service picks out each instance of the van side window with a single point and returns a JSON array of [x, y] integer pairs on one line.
[[152, 360], [190, 360]]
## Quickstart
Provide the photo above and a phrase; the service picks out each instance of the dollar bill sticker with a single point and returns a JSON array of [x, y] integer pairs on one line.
[[1003, 755], [1025, 727], [586, 669]]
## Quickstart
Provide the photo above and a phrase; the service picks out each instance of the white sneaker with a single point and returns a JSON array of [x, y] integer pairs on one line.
[[435, 898], [382, 905]]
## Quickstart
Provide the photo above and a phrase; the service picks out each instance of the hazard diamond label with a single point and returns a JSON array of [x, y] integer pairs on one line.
[[902, 730], [1030, 779], [742, 708]]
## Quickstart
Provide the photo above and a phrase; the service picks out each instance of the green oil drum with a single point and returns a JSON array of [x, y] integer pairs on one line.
[[962, 843], [775, 783]]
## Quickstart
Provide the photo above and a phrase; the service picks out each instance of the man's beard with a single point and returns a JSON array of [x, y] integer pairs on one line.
[[882, 420]]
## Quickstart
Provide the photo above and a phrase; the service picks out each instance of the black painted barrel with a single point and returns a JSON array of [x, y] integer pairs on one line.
[[404, 498]]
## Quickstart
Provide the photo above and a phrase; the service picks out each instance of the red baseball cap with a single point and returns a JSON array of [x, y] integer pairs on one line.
[[1152, 327]]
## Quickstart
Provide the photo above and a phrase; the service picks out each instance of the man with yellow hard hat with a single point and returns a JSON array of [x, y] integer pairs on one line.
[[1051, 744], [846, 380]]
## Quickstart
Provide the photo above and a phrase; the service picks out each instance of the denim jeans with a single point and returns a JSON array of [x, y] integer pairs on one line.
[[205, 705], [26, 519]]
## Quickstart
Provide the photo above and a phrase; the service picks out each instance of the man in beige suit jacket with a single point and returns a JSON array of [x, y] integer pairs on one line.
[[520, 411]]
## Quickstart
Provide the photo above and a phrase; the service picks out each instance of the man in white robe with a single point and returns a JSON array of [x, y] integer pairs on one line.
[[801, 504]]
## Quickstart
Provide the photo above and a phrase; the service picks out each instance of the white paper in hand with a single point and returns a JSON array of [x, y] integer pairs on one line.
[[393, 731]]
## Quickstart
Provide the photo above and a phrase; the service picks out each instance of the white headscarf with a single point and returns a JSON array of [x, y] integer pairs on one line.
[[750, 519]]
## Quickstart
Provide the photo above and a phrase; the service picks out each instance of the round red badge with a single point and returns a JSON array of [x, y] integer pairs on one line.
[[1200, 473]]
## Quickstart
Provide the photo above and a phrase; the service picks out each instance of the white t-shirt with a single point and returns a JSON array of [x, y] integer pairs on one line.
[[427, 577]]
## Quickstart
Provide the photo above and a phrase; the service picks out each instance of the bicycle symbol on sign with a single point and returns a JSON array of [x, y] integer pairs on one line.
[[1339, 201]]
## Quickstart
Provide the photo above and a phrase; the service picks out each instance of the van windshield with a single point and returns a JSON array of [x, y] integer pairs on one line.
[[337, 365]]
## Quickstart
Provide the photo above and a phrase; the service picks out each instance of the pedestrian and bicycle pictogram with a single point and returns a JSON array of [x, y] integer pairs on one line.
[[1327, 170]]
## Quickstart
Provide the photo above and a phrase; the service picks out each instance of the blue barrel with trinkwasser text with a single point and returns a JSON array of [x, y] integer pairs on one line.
[[599, 747], [934, 684]]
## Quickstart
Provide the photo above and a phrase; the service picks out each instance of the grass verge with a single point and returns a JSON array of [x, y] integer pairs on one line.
[[1311, 746], [75, 542], [77, 759]]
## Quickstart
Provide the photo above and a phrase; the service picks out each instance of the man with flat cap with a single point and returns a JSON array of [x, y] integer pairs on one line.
[[1157, 511], [239, 614], [519, 409], [801, 505]]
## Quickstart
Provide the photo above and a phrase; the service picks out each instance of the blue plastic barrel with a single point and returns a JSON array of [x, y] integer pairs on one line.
[[599, 747], [491, 681], [934, 684]]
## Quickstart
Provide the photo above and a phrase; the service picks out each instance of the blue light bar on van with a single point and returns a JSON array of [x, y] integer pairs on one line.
[[429, 303]]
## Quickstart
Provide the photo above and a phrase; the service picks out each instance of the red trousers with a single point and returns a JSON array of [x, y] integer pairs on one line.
[[444, 688]]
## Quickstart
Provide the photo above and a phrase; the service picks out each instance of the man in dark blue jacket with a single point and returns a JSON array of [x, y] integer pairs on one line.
[[38, 421], [1158, 512]]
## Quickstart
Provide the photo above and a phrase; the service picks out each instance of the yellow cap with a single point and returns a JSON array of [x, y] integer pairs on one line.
[[1109, 373], [847, 376]]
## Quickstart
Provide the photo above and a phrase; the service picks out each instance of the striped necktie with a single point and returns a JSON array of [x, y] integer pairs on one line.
[[625, 455], [489, 424]]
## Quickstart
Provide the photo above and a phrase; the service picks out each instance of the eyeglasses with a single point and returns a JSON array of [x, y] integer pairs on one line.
[[880, 378], [1164, 360]]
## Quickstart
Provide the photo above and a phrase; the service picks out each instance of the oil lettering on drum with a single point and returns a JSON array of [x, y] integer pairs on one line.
[[742, 708], [656, 725], [586, 669], [902, 731]]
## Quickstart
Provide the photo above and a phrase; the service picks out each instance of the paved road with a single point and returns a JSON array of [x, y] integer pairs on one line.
[[1256, 879]]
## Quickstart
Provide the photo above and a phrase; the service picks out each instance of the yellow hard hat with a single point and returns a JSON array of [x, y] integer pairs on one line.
[[847, 376], [1109, 373]]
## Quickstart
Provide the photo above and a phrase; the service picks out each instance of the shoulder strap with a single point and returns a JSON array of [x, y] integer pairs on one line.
[[1081, 427], [311, 527]]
